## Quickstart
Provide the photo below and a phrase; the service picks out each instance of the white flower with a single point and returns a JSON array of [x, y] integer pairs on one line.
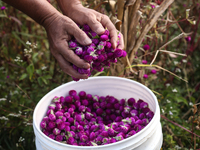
[[191, 104], [3, 99], [170, 113], [3, 118], [178, 70], [28, 43], [171, 107], [175, 62], [21, 139], [44, 67], [174, 90], [168, 84], [184, 60], [14, 115], [168, 101], [163, 111]]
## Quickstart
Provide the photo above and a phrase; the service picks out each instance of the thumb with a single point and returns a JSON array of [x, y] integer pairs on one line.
[[79, 35]]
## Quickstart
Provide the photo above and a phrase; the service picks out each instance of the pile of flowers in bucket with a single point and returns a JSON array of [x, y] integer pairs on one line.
[[83, 119]]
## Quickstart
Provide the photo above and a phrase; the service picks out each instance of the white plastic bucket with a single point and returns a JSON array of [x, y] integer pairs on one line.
[[149, 138]]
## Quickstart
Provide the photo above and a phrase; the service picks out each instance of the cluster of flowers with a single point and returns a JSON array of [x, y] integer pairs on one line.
[[99, 54], [83, 119]]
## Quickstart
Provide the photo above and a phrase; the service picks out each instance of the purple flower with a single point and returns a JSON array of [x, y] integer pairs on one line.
[[134, 112], [56, 131], [52, 136], [146, 47], [72, 45], [70, 140], [43, 124], [144, 61], [51, 124], [124, 53], [83, 138], [153, 71], [131, 101], [104, 37], [90, 49], [95, 41], [3, 8], [92, 136], [118, 53], [68, 99], [145, 76], [79, 50], [106, 32], [188, 39], [59, 138], [86, 28]]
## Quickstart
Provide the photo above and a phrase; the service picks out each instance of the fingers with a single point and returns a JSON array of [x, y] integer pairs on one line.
[[105, 21], [94, 24], [121, 42], [71, 57], [68, 69], [79, 35]]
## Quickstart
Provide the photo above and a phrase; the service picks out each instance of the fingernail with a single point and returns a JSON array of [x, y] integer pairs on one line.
[[100, 30], [87, 41], [86, 66]]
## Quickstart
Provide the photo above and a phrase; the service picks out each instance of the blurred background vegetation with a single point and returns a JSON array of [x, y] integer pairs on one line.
[[159, 35]]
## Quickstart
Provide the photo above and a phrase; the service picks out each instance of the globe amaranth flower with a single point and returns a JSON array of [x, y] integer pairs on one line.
[[144, 61], [153, 71], [145, 76], [3, 8], [188, 38], [146, 47]]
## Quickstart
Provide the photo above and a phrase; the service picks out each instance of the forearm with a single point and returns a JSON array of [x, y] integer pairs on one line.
[[38, 10], [67, 6]]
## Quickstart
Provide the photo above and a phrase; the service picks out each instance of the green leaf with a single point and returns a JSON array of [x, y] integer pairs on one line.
[[44, 80], [181, 99], [40, 81], [23, 76], [30, 71]]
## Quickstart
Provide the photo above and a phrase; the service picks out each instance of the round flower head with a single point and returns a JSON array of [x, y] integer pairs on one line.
[[146, 47], [153, 71], [3, 8], [95, 41], [72, 44], [104, 37], [144, 61], [118, 53], [188, 39], [145, 76], [79, 50], [86, 28]]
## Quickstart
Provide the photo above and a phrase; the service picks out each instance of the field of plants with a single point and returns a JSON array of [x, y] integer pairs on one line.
[[163, 52]]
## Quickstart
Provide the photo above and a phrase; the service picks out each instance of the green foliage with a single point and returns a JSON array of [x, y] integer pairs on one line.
[[28, 71]]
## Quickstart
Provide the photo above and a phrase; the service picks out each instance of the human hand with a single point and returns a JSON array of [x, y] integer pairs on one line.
[[59, 30], [94, 19]]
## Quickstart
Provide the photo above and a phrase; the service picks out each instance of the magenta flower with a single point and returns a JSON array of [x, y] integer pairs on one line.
[[153, 71], [144, 61], [188, 39], [146, 47], [152, 6], [3, 8], [145, 76]]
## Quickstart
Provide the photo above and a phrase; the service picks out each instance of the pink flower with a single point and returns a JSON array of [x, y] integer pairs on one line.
[[153, 71], [144, 61], [145, 76], [152, 6], [3, 8], [188, 38], [146, 47]]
